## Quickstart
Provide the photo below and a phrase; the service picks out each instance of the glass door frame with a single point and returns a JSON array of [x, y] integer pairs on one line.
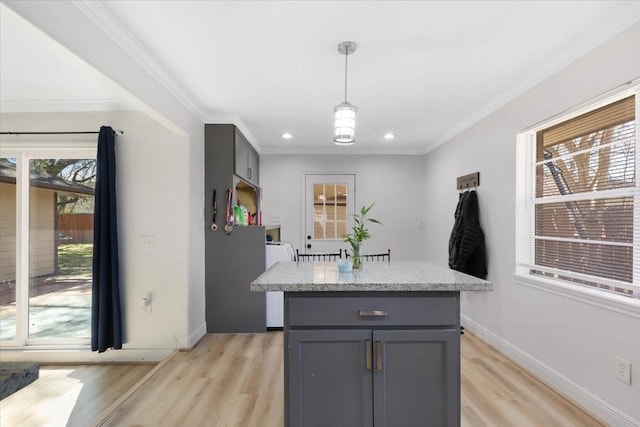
[[24, 152]]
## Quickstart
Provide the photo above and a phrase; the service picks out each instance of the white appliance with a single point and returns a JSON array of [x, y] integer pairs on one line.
[[280, 251]]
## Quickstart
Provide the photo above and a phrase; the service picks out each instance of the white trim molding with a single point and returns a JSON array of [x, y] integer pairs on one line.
[[43, 354], [587, 400], [619, 304], [189, 342], [66, 105], [104, 19]]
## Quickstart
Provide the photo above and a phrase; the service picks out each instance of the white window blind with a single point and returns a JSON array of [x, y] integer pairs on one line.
[[580, 214]]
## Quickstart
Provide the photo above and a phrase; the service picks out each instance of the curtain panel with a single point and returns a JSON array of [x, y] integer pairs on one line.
[[106, 316]]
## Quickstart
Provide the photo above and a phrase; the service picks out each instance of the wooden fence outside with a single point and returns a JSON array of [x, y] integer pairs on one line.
[[75, 228]]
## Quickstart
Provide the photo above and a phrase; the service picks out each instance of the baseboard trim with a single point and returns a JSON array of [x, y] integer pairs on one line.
[[55, 356], [196, 336], [582, 397]]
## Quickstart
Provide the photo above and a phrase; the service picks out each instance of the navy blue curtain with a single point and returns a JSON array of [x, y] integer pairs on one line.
[[106, 318]]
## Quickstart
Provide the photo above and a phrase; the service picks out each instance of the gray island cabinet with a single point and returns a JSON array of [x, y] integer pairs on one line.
[[376, 347]]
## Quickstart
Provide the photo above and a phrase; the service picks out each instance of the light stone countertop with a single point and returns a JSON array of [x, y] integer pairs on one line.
[[397, 276]]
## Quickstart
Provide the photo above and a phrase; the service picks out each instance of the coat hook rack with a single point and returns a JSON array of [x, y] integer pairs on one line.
[[465, 182]]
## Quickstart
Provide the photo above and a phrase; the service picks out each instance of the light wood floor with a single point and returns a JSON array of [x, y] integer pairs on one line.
[[69, 394], [237, 380]]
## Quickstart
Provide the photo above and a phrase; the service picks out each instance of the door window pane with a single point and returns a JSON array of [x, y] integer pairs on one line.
[[61, 196], [329, 211]]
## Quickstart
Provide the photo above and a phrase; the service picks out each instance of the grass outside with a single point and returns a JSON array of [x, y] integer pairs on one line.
[[75, 258]]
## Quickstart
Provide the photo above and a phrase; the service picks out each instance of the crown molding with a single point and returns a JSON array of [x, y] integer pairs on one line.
[[343, 151], [97, 12], [65, 105]]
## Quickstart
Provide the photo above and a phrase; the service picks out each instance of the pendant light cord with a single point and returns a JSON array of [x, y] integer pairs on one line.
[[346, 55]]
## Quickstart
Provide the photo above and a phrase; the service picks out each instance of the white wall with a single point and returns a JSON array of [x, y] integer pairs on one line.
[[196, 327], [394, 183], [571, 344], [156, 196], [113, 53]]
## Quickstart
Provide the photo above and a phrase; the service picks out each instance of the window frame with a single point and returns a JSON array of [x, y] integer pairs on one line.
[[525, 211]]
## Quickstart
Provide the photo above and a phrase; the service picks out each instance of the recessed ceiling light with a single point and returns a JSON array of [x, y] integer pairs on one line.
[[389, 136], [286, 135]]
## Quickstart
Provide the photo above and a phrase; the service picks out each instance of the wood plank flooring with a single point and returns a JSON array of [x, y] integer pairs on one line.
[[497, 392], [227, 380], [237, 380], [69, 394]]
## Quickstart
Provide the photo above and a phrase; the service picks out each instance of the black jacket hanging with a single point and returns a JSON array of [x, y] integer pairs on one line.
[[456, 233], [466, 244]]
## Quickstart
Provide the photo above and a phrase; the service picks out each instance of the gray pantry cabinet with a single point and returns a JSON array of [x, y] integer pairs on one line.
[[372, 359], [233, 260], [246, 159]]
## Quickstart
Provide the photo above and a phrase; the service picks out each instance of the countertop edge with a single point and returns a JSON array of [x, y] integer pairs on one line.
[[341, 287], [403, 276]]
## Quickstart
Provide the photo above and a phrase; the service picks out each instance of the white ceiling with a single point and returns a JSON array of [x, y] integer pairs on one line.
[[37, 74], [422, 70]]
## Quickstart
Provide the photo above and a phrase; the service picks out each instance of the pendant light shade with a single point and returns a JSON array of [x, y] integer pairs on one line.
[[344, 126]]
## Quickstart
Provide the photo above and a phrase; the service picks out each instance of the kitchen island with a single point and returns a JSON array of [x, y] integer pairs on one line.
[[379, 346]]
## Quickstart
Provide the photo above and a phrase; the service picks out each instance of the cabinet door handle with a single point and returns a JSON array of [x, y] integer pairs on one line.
[[378, 355], [367, 350], [373, 313], [249, 173]]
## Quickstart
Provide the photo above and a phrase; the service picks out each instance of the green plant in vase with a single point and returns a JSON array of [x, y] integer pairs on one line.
[[360, 234]]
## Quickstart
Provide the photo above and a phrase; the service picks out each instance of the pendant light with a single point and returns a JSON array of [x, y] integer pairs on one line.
[[344, 127]]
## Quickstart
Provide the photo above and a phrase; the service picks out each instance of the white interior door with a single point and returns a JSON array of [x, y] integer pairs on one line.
[[329, 206]]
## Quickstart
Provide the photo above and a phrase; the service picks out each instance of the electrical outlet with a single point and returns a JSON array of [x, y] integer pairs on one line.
[[274, 219], [421, 225], [147, 242], [623, 370]]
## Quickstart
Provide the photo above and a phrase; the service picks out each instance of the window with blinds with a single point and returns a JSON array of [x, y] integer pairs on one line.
[[583, 208]]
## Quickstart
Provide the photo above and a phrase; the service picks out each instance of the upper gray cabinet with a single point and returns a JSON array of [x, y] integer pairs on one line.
[[246, 159]]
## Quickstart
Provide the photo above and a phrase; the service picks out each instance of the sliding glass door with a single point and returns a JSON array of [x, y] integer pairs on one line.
[[46, 223]]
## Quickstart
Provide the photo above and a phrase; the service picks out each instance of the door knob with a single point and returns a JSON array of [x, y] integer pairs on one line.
[[308, 237], [309, 246]]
